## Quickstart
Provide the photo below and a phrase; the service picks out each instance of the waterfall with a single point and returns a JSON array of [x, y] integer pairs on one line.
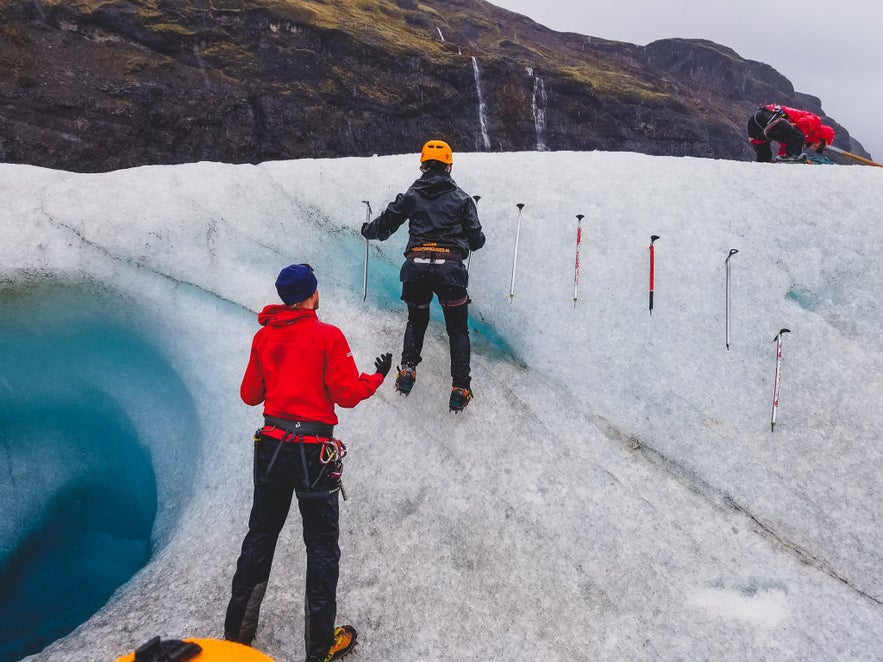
[[205, 78], [482, 110], [440, 33], [538, 107]]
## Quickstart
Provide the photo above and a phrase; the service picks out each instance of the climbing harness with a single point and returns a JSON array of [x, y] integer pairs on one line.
[[777, 115], [331, 453]]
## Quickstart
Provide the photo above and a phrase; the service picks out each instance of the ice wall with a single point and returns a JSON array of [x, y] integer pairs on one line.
[[614, 484]]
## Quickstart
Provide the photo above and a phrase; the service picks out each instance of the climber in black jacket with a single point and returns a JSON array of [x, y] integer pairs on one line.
[[443, 229]]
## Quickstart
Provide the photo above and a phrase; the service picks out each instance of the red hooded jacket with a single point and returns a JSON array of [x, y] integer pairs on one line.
[[300, 368], [809, 124]]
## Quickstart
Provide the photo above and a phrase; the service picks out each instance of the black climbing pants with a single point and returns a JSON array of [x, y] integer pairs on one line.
[[296, 466]]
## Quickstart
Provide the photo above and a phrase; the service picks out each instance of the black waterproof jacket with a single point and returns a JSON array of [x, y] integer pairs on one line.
[[440, 213]]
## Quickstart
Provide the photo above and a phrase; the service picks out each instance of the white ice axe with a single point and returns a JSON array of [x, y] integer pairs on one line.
[[579, 234], [365, 273], [778, 340], [469, 259], [520, 206], [733, 251]]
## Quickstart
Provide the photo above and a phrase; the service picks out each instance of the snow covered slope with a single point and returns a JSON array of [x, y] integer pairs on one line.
[[613, 491]]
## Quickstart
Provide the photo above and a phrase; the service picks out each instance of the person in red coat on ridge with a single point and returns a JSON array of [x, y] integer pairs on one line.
[[791, 128], [299, 368]]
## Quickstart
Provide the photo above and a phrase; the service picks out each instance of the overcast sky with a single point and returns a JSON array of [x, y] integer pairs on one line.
[[828, 49]]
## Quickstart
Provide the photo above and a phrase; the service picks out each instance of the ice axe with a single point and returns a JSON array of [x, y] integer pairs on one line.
[[653, 238], [469, 259], [777, 380], [365, 274], [579, 234], [854, 157], [733, 251], [520, 206]]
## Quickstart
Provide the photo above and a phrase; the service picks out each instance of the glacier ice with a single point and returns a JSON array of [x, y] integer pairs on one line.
[[613, 491]]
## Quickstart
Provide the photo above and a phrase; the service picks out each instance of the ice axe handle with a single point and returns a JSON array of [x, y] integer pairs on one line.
[[854, 157]]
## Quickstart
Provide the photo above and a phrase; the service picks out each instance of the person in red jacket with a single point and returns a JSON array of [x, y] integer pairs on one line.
[[299, 368], [791, 128]]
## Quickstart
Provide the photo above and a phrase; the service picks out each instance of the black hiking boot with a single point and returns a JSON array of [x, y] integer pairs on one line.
[[405, 379], [799, 158], [460, 397]]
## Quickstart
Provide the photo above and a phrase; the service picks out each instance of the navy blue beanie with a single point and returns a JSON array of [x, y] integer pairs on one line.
[[296, 282]]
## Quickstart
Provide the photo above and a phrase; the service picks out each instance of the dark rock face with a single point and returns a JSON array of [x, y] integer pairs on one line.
[[95, 85]]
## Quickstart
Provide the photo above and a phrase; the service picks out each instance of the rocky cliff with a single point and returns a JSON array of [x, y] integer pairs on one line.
[[94, 85]]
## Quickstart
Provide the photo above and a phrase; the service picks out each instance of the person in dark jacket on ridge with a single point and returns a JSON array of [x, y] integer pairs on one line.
[[443, 229], [300, 368]]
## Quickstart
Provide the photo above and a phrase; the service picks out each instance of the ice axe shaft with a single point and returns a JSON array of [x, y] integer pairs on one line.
[[854, 157], [733, 251], [520, 206], [579, 235], [778, 377], [365, 272], [653, 238], [469, 259]]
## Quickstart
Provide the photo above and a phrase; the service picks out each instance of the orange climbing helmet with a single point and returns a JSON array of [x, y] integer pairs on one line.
[[195, 650], [437, 150]]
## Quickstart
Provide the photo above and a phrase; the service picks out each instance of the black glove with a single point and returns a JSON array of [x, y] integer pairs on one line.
[[365, 230], [476, 241], [383, 363]]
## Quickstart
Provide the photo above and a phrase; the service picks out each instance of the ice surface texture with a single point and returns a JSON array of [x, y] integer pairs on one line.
[[613, 489]]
